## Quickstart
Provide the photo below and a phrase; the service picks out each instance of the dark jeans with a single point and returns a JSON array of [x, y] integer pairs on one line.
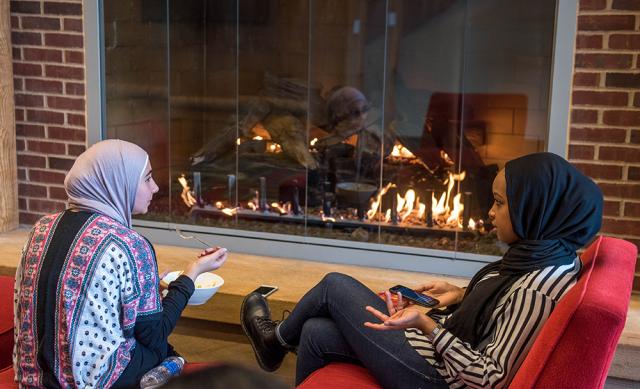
[[327, 325]]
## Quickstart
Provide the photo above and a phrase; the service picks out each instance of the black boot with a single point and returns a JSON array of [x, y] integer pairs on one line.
[[255, 318]]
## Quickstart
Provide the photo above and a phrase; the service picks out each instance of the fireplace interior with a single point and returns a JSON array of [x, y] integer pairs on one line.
[[363, 120]]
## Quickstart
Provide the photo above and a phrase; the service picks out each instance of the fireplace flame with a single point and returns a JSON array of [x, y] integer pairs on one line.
[[327, 219], [406, 204], [454, 216], [251, 205], [186, 194], [257, 137], [399, 151], [313, 141], [283, 209], [230, 211], [375, 204], [472, 224]]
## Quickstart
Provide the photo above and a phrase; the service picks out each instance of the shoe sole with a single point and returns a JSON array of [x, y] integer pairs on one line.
[[253, 346]]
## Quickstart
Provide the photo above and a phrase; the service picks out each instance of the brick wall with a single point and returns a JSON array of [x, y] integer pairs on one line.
[[48, 66], [605, 115]]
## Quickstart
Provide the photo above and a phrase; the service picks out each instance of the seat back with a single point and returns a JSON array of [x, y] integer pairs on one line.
[[575, 347], [6, 321]]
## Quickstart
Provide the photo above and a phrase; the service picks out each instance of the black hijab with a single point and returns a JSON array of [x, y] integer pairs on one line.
[[554, 210]]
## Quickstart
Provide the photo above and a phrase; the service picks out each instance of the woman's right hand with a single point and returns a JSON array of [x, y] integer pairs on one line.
[[445, 292], [208, 260]]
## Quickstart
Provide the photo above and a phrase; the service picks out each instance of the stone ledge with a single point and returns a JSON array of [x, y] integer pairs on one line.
[[243, 273]]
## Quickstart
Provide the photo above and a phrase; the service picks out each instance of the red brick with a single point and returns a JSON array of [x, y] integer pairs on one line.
[[22, 174], [25, 7], [46, 176], [29, 190], [22, 204], [31, 161], [62, 8], [42, 55], [620, 190], [19, 114], [26, 38], [64, 133], [20, 145], [34, 85], [584, 115], [616, 99], [15, 22], [607, 172], [631, 5], [624, 42], [606, 22], [72, 104], [61, 163], [29, 100], [599, 135], [29, 218], [588, 41], [16, 54], [622, 118], [17, 84], [73, 25], [592, 5], [74, 56], [63, 40], [611, 208], [631, 209], [634, 173], [74, 88], [623, 80], [75, 120], [636, 100], [623, 154], [46, 147], [27, 69], [603, 61], [57, 193], [620, 226], [586, 79], [635, 136], [45, 116], [30, 130], [581, 152], [66, 72], [40, 23], [75, 149], [46, 206]]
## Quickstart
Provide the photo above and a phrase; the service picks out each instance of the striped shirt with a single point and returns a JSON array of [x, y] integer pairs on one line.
[[511, 331]]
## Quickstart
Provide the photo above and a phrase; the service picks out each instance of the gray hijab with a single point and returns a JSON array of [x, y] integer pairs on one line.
[[105, 178]]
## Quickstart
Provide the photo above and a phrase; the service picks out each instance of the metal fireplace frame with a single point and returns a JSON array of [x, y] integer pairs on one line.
[[332, 250]]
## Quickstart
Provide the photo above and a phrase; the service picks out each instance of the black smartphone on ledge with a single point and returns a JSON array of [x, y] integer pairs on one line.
[[418, 298], [266, 290]]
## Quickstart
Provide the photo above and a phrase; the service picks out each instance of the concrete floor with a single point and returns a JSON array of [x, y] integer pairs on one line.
[[201, 341]]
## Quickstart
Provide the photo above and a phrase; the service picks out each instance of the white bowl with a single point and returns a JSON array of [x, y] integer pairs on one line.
[[207, 284]]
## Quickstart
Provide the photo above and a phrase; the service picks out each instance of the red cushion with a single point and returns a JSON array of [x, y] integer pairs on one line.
[[6, 321], [6, 379], [340, 376]]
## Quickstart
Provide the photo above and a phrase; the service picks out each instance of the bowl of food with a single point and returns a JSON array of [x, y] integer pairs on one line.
[[207, 284]]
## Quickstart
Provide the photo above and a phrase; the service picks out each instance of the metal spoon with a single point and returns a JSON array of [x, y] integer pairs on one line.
[[187, 237]]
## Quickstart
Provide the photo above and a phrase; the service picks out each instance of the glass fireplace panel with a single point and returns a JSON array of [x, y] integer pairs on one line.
[[379, 121]]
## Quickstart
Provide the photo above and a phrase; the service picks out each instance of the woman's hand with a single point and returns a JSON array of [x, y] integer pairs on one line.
[[446, 293], [208, 260], [400, 318]]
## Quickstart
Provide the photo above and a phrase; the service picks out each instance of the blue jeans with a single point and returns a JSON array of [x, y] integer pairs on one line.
[[327, 325]]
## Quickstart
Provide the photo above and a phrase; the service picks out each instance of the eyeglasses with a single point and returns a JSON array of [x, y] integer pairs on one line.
[[188, 237]]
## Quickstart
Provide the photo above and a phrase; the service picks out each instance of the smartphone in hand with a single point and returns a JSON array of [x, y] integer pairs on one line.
[[418, 298]]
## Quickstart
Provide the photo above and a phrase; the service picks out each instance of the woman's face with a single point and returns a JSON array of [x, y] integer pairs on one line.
[[146, 188], [499, 212]]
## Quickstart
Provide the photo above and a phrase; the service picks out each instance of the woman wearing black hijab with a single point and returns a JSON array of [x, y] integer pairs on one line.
[[544, 209]]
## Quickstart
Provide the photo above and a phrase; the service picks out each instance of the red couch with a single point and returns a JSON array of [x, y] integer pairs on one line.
[[577, 343]]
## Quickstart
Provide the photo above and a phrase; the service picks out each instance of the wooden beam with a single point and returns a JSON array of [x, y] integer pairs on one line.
[[8, 165]]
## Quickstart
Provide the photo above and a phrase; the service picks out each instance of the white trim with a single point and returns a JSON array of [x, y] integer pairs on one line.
[[93, 70]]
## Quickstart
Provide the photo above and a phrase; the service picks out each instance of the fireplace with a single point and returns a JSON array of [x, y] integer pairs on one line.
[[364, 125]]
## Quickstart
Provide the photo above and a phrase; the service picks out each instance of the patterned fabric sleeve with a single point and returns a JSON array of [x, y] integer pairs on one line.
[[515, 331]]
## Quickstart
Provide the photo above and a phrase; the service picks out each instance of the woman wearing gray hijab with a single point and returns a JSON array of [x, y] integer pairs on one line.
[[88, 311]]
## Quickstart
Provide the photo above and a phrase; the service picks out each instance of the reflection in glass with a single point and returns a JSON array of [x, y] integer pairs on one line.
[[381, 121]]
